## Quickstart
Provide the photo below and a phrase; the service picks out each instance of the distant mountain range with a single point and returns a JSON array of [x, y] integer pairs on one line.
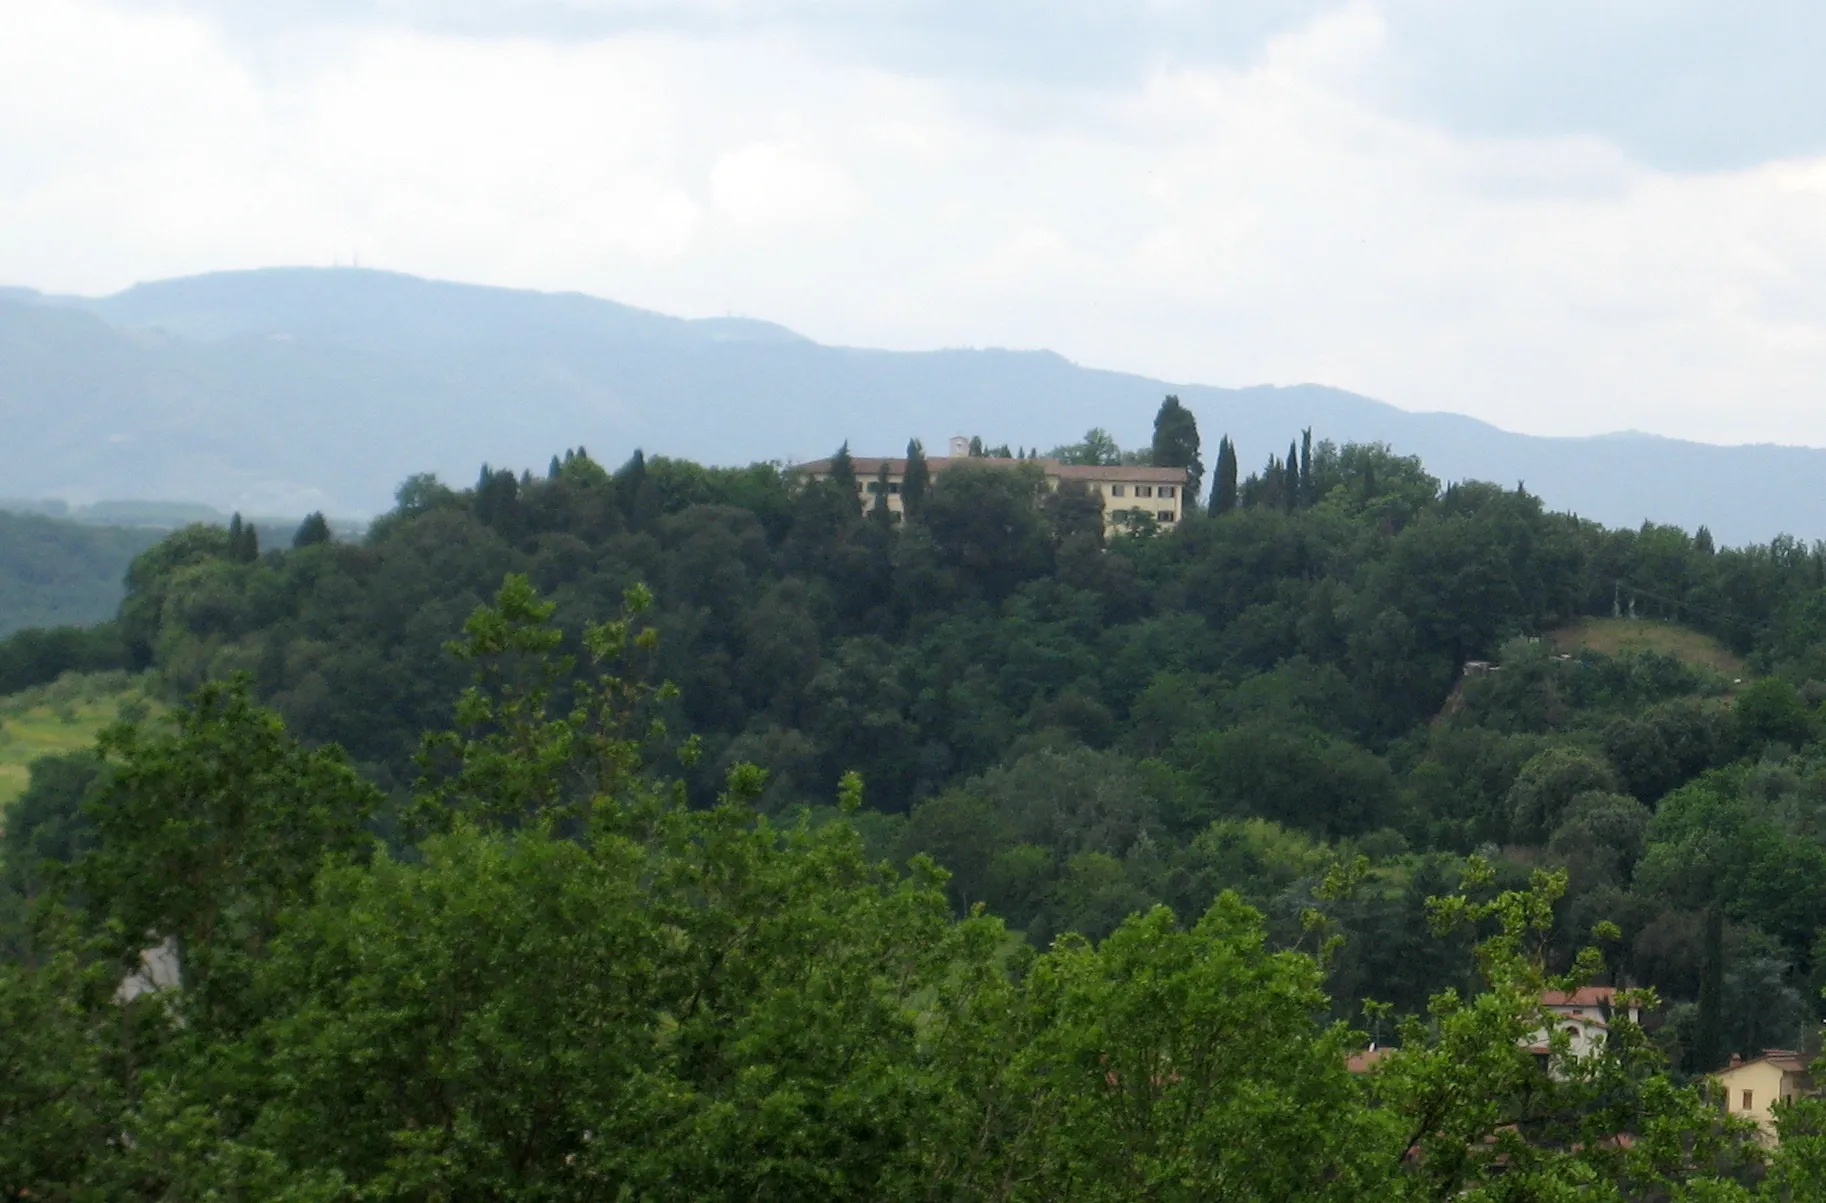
[[292, 389]]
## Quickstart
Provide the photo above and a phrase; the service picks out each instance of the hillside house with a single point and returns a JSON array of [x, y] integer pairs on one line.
[[1585, 1016], [1160, 493], [1751, 1089]]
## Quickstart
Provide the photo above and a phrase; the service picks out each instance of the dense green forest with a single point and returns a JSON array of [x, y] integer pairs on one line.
[[55, 573], [894, 887]]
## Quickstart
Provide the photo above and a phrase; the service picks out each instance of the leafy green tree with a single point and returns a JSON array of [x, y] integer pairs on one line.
[[1303, 779], [203, 836], [1771, 711], [1176, 444], [1133, 1098], [987, 522], [1602, 833], [44, 826], [1075, 512], [66, 1097], [1097, 447], [1544, 792]]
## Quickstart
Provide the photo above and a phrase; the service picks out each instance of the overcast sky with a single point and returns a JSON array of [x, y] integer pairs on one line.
[[1562, 217]]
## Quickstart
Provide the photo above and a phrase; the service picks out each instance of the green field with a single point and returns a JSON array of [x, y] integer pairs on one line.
[[63, 716], [1613, 635]]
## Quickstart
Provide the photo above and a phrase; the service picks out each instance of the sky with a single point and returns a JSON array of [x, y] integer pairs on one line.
[[1561, 217]]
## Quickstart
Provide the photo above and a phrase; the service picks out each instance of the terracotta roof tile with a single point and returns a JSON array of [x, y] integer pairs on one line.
[[869, 465]]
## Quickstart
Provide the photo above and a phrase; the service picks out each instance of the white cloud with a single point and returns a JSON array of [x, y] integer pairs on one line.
[[780, 182], [1278, 220]]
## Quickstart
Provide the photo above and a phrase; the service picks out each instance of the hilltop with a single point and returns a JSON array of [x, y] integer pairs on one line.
[[292, 390]]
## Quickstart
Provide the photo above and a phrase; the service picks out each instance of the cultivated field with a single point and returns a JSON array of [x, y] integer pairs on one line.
[[63, 716], [1612, 635]]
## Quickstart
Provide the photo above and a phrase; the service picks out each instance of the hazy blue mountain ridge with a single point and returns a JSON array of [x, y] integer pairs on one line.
[[288, 390]]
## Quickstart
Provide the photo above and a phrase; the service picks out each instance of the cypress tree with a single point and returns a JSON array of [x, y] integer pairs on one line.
[[1290, 489], [551, 473], [313, 530], [1223, 489], [843, 474], [916, 482], [635, 493], [1306, 497], [243, 541], [879, 513], [976, 447], [1709, 1050]]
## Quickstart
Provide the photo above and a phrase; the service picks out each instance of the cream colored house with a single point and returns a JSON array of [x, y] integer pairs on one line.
[[1158, 492], [1752, 1088]]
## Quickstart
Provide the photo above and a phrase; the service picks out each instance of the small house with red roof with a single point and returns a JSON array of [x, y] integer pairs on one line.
[[1751, 1089]]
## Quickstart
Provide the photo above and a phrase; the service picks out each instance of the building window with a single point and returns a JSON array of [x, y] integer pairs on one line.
[[1165, 491], [1144, 490], [1747, 1097], [894, 488], [859, 486], [1164, 515], [875, 487], [1119, 490]]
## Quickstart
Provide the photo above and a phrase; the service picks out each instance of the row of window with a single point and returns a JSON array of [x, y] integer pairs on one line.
[[1160, 515], [1161, 491]]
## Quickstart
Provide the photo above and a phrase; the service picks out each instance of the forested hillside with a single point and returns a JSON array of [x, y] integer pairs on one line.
[[1337, 694], [56, 573]]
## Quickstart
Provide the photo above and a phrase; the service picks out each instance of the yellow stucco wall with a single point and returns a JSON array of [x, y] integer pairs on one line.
[[1766, 1083], [1119, 495]]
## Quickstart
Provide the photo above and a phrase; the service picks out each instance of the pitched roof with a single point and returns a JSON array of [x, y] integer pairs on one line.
[[1138, 472], [870, 465], [1787, 1061], [1584, 996]]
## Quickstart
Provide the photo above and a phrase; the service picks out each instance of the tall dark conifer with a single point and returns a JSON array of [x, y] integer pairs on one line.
[[1306, 488], [635, 492], [243, 540], [916, 482], [1223, 489], [1290, 488], [879, 513], [1709, 1050], [843, 474]]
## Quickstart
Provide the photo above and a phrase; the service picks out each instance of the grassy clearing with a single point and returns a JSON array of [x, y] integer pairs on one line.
[[1613, 635], [63, 716]]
